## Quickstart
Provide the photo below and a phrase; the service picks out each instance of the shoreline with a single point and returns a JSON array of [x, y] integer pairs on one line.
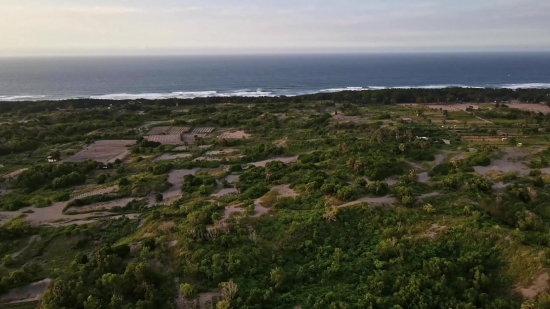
[[259, 93]]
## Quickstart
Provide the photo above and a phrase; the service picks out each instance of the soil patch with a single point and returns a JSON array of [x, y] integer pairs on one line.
[[167, 156], [106, 151], [100, 206], [371, 200], [32, 292], [285, 191], [539, 285], [170, 139], [234, 135], [285, 160], [506, 165], [537, 108]]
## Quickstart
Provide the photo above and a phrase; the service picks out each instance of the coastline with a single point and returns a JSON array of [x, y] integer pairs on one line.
[[248, 93]]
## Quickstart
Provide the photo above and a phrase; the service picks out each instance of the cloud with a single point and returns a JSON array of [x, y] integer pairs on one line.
[[101, 10]]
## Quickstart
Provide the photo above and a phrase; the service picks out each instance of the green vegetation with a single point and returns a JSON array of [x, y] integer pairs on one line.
[[361, 208]]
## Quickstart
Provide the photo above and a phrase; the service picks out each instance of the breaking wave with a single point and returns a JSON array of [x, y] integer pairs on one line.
[[250, 93]]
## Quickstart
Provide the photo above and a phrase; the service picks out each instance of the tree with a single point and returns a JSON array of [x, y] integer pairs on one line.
[[159, 197], [224, 304], [187, 291], [229, 289], [277, 276]]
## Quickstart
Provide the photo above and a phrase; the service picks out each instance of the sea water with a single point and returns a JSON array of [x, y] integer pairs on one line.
[[262, 75]]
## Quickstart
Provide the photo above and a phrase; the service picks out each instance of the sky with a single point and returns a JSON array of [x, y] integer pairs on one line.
[[170, 27]]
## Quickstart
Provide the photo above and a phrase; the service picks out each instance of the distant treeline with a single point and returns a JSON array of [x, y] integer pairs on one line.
[[385, 96]]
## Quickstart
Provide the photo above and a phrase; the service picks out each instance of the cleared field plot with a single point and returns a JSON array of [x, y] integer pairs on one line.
[[537, 108], [173, 139], [166, 130], [106, 151], [190, 138], [100, 206], [234, 135], [202, 130], [14, 174], [96, 192], [221, 152], [285, 160], [166, 156], [30, 293]]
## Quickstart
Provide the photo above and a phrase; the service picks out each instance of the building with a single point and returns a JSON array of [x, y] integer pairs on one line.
[[406, 120], [51, 159]]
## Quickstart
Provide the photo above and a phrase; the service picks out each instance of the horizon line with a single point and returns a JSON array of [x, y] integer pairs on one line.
[[295, 53]]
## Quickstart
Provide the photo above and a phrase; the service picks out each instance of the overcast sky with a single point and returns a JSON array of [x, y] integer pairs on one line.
[[101, 27]]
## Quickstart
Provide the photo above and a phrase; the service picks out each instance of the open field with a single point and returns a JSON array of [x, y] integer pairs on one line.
[[234, 135], [173, 139], [165, 130], [106, 151], [204, 130]]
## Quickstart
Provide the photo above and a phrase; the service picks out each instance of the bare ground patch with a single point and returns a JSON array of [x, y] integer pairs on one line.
[[538, 285], [167, 156], [234, 135], [172, 139], [106, 151], [32, 292], [100, 206], [285, 160], [507, 164]]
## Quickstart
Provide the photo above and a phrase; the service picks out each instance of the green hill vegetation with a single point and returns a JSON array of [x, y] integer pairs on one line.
[[344, 200]]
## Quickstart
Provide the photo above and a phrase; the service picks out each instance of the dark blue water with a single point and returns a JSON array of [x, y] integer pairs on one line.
[[193, 76]]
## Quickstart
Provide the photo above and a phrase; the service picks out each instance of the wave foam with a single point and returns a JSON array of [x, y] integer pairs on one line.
[[249, 92], [527, 86]]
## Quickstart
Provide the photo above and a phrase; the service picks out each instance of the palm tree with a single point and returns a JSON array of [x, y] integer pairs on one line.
[[402, 148]]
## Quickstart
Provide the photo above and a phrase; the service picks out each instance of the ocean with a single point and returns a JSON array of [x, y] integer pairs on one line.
[[265, 75]]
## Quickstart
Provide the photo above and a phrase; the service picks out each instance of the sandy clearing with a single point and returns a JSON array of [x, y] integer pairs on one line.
[[231, 209], [221, 152], [14, 174], [226, 191], [99, 191], [167, 156], [205, 299], [285, 160], [259, 209], [285, 191], [32, 292], [434, 230], [500, 185], [234, 135], [44, 215], [371, 200], [100, 206], [539, 285], [427, 195], [532, 107], [505, 164], [175, 177], [423, 177], [232, 178], [104, 151]]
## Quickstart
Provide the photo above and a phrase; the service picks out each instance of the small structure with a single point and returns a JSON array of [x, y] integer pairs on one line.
[[406, 120], [520, 144], [447, 142], [51, 159], [422, 138]]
